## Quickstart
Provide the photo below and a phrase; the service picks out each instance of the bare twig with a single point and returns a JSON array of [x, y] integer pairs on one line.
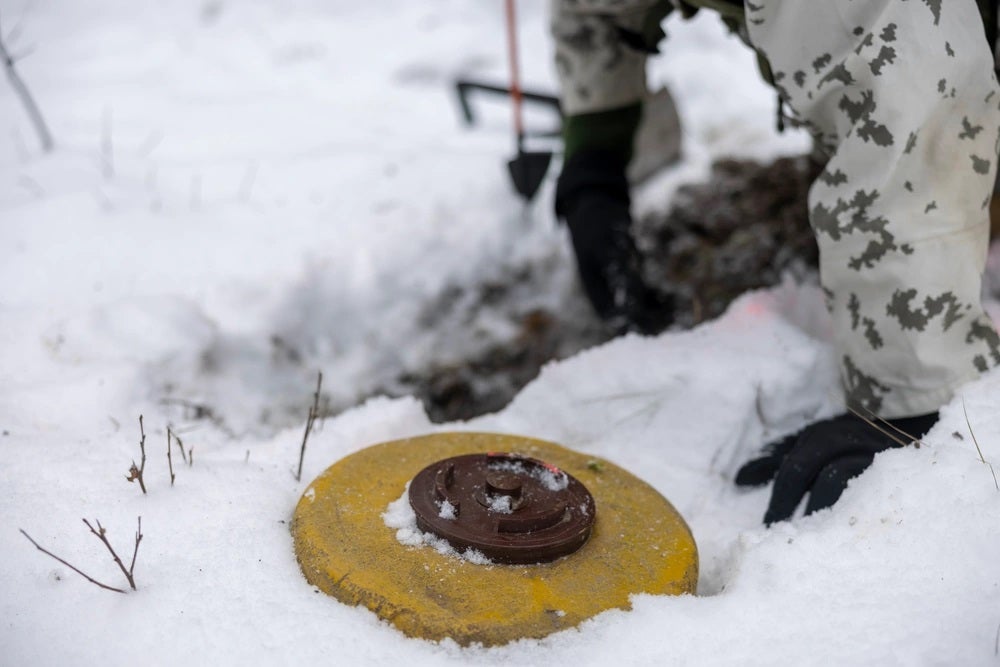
[[135, 550], [29, 102], [170, 459], [190, 457], [180, 445], [72, 567], [978, 449], [885, 431], [100, 533], [310, 420], [135, 472]]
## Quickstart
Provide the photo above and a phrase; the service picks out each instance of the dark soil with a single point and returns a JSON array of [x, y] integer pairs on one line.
[[739, 231]]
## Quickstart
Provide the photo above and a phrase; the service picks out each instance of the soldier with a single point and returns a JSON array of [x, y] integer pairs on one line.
[[902, 99]]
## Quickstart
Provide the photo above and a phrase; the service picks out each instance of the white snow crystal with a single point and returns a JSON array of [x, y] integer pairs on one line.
[[399, 516], [448, 511], [551, 478], [501, 505]]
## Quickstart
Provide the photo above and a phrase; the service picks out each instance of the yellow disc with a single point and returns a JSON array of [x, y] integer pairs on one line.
[[639, 544]]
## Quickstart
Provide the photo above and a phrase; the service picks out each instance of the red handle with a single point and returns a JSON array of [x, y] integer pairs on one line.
[[515, 83]]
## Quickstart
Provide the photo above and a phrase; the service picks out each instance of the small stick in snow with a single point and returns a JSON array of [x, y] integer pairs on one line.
[[103, 538], [72, 567], [170, 460], [29, 102], [310, 420], [135, 472], [187, 456], [978, 449], [180, 445], [899, 436]]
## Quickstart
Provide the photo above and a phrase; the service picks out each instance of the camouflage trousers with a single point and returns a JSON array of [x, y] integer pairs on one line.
[[903, 99]]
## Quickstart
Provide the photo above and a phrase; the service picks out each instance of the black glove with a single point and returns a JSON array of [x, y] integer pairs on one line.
[[592, 196], [822, 458]]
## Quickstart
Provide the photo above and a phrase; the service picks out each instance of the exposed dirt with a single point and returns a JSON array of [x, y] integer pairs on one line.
[[741, 230]]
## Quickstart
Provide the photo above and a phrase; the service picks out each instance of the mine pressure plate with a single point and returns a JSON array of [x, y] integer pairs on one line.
[[509, 507], [565, 536]]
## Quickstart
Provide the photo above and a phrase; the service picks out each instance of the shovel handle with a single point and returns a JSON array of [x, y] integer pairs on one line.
[[515, 79]]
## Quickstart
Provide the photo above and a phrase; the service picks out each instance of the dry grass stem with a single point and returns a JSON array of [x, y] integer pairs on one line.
[[978, 448], [890, 431], [135, 472], [100, 533], [310, 420], [70, 566], [170, 459], [180, 445]]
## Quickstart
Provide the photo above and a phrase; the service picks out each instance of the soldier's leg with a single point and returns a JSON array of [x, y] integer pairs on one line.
[[600, 58], [903, 97]]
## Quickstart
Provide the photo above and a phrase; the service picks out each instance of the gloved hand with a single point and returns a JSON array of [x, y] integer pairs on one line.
[[821, 459], [592, 197]]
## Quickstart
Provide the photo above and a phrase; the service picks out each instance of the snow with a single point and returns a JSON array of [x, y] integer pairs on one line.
[[447, 510], [399, 516], [246, 193], [547, 475]]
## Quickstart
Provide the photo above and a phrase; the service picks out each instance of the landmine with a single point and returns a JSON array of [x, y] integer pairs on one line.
[[637, 542]]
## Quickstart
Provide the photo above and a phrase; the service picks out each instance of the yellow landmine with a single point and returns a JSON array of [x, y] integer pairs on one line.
[[639, 544]]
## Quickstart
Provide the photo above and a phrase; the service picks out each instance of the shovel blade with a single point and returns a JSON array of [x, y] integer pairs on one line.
[[527, 171]]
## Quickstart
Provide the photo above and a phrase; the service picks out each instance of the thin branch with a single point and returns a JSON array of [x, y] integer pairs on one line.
[[72, 567], [135, 472], [889, 434], [170, 459], [29, 102], [135, 551], [180, 445], [978, 449], [310, 420], [100, 533]]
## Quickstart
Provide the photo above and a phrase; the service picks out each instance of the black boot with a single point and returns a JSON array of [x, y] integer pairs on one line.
[[592, 196]]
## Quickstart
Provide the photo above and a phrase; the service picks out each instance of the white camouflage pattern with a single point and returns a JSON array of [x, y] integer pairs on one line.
[[902, 97]]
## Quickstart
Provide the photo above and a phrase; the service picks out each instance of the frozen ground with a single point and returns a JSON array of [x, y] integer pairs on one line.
[[243, 194]]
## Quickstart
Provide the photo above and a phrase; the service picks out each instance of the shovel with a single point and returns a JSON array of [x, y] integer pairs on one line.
[[527, 168]]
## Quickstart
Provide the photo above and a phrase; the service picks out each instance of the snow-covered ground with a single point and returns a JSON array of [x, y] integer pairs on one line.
[[243, 194]]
